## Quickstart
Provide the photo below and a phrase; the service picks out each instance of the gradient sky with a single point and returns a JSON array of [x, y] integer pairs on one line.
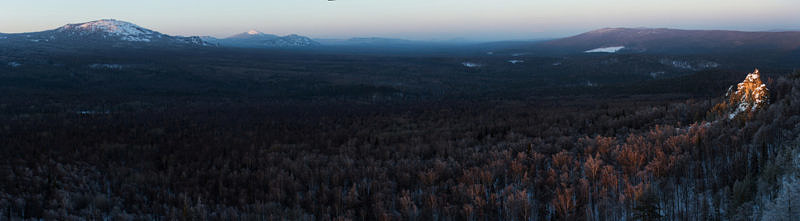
[[410, 19]]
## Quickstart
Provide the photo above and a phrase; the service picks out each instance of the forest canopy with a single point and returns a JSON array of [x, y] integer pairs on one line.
[[571, 159]]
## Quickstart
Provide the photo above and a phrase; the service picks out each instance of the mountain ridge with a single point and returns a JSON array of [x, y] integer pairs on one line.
[[258, 39], [667, 40], [103, 33], [119, 33]]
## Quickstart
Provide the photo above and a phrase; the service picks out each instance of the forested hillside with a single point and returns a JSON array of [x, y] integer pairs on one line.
[[565, 158]]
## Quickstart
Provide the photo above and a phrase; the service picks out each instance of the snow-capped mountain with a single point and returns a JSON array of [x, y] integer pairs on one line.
[[105, 32], [253, 35], [257, 39], [748, 97], [112, 29], [116, 33]]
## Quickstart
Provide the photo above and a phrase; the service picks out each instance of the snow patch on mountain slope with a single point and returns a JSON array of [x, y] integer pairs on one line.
[[606, 49]]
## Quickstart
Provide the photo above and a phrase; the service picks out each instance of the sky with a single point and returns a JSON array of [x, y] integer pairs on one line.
[[478, 20]]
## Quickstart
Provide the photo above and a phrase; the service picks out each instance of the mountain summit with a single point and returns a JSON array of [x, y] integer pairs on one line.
[[112, 28], [252, 35], [749, 96], [102, 33]]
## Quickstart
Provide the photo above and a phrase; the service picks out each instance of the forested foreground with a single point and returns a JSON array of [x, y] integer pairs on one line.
[[573, 159]]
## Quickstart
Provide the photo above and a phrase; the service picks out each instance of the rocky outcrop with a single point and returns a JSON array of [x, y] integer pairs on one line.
[[745, 98]]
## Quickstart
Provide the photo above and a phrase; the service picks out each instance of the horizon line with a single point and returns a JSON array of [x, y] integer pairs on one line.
[[430, 39]]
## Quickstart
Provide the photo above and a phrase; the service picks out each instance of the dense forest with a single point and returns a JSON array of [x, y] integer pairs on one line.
[[582, 157], [109, 120]]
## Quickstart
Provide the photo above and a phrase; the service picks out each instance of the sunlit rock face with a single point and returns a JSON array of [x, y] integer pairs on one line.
[[745, 98]]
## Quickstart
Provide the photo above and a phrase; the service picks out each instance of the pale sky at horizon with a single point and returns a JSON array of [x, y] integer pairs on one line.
[[410, 19]]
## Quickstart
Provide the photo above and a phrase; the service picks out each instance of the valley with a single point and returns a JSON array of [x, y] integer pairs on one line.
[[109, 120]]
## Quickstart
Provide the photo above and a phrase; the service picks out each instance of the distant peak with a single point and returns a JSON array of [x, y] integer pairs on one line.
[[254, 32]]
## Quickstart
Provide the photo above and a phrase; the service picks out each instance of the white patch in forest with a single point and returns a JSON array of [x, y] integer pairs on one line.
[[106, 66], [92, 112], [690, 65], [471, 64], [655, 74]]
